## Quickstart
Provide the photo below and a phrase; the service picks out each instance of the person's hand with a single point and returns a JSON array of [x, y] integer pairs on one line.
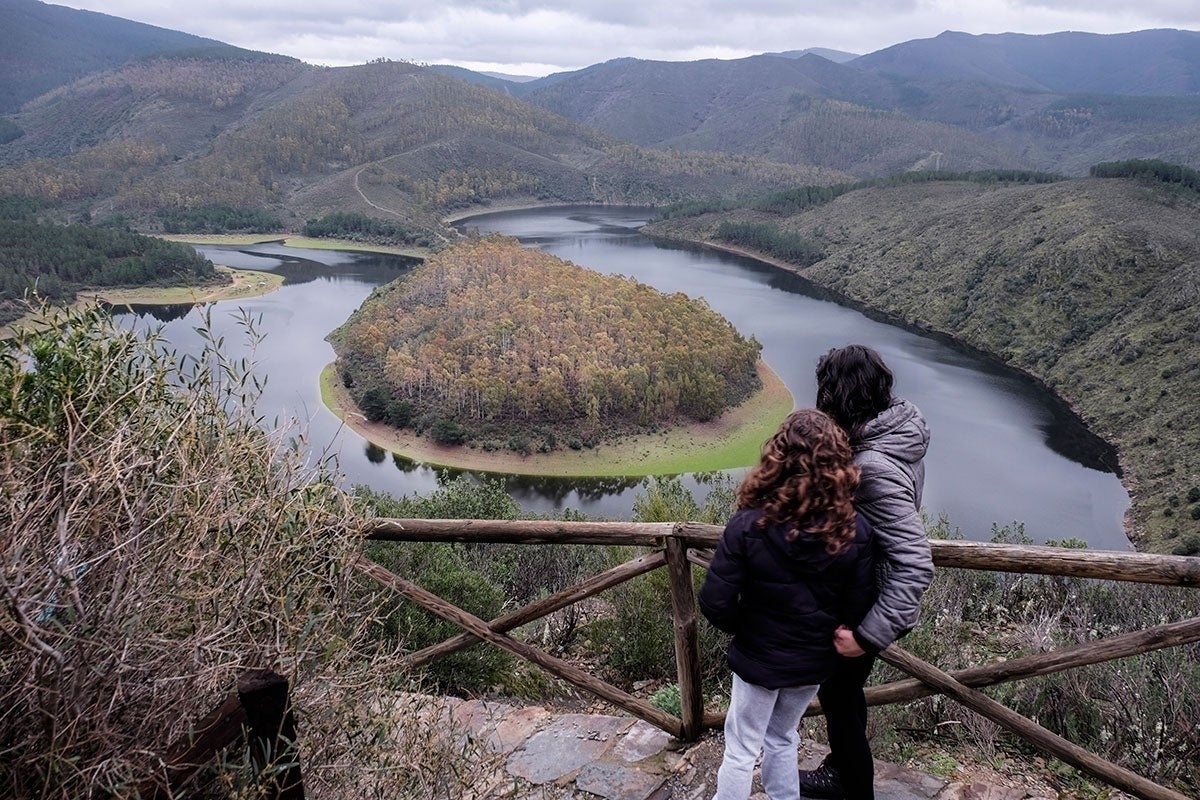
[[845, 643]]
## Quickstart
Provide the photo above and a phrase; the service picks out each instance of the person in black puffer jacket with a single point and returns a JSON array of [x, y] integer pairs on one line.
[[793, 564]]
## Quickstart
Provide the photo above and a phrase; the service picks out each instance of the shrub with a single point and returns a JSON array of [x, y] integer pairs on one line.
[[374, 404], [399, 413], [447, 431], [640, 639], [667, 699], [1137, 712], [157, 543], [477, 577]]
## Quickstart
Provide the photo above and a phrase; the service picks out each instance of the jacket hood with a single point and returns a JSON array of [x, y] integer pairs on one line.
[[806, 551], [899, 431]]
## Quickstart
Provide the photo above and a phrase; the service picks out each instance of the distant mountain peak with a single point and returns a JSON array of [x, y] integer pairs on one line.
[[836, 56], [1157, 62]]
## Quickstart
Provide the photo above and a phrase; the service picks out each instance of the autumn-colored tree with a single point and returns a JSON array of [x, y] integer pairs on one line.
[[500, 338]]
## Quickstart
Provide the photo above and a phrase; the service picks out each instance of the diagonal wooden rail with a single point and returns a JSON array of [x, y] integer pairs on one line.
[[679, 546]]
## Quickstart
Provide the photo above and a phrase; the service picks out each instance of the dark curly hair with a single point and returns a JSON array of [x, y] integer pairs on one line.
[[853, 385], [805, 479]]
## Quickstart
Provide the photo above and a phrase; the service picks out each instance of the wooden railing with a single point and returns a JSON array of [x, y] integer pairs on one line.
[[679, 546], [258, 714]]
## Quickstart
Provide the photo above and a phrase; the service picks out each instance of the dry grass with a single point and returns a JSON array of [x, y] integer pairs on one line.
[[155, 542]]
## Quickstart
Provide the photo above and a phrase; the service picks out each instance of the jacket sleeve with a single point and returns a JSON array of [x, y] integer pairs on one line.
[[904, 562], [720, 595]]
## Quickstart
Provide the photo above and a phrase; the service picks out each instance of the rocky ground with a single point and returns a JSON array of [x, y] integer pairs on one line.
[[550, 755]]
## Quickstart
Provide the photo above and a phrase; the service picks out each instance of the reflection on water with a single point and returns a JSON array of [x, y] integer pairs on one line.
[[1003, 449], [299, 265], [165, 312]]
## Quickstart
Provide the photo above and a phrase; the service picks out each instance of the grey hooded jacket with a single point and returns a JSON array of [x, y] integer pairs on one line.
[[889, 449]]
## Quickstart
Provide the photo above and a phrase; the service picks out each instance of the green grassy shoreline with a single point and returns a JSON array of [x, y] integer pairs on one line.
[[292, 240], [735, 440]]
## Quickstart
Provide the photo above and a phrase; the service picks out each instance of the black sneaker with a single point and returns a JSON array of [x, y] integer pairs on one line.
[[822, 783]]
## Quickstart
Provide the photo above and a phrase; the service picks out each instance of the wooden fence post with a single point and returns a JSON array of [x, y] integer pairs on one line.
[[687, 638], [272, 733]]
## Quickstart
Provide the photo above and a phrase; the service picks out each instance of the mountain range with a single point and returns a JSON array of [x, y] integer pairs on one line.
[[112, 117]]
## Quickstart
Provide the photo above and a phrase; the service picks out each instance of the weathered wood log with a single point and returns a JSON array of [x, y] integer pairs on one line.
[[220, 728], [555, 666], [701, 558], [699, 534], [1048, 741], [1033, 559], [1105, 565], [1121, 646], [272, 734], [645, 534], [687, 640], [546, 605]]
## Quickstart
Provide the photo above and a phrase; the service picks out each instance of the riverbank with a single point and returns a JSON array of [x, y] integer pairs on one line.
[[244, 283], [733, 440], [507, 205], [299, 242], [1118, 459]]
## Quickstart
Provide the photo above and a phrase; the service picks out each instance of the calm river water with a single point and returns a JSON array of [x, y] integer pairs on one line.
[[1003, 450]]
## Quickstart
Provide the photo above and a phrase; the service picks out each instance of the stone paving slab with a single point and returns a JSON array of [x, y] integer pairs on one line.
[[548, 756], [618, 782], [565, 745]]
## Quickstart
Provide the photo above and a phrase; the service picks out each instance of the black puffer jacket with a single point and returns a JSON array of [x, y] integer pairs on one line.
[[782, 600]]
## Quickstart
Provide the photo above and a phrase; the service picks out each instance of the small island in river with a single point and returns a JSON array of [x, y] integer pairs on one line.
[[493, 356]]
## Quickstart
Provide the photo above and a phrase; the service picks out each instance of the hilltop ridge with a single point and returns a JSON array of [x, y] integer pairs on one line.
[[1088, 285]]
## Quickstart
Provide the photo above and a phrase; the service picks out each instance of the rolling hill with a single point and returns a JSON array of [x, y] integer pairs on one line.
[[388, 139], [872, 120], [45, 46], [1154, 63], [1089, 285]]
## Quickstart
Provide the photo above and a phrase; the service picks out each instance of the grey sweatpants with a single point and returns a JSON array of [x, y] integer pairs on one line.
[[766, 721]]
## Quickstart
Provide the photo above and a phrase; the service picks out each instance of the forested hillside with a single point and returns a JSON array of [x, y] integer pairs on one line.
[[491, 342], [1091, 285], [391, 140], [44, 46], [55, 261], [873, 122]]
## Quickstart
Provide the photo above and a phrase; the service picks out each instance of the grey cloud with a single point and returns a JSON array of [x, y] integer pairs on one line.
[[569, 34]]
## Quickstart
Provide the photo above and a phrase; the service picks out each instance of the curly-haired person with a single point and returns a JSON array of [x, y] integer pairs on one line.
[[889, 438], [793, 564]]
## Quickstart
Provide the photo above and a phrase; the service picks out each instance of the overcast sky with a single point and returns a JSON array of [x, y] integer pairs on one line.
[[537, 37]]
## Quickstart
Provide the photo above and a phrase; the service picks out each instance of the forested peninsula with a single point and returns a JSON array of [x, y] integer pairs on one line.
[[502, 347], [54, 262]]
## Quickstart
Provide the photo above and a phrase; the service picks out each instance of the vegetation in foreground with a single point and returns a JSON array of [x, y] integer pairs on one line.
[[1137, 711], [512, 348], [154, 544], [157, 542]]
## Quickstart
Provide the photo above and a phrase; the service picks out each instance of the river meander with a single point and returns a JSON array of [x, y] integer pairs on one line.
[[1003, 449]]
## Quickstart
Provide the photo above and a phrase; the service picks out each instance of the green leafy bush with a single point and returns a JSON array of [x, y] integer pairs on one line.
[[639, 638]]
